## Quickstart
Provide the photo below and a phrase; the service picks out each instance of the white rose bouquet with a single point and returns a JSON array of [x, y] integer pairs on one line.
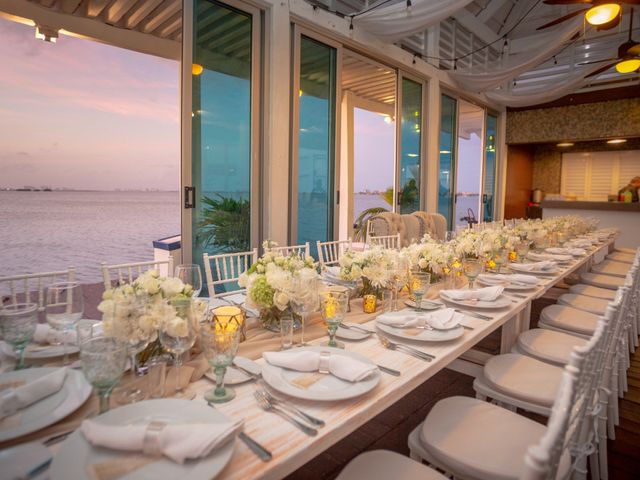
[[374, 267]]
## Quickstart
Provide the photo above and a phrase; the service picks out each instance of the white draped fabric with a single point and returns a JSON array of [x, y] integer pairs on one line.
[[393, 22], [539, 48], [573, 82]]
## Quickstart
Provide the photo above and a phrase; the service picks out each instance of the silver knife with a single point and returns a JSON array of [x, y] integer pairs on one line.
[[473, 314]]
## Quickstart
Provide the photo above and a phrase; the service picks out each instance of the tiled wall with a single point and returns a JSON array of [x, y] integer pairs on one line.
[[588, 121]]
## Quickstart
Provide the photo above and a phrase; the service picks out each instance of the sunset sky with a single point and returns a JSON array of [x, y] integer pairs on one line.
[[79, 114]]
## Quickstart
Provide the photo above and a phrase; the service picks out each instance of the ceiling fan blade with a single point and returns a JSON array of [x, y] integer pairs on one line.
[[600, 70], [635, 50], [566, 2], [562, 19], [598, 61]]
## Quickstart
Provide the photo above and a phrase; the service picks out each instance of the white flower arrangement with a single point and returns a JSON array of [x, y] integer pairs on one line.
[[374, 266], [135, 311], [431, 256]]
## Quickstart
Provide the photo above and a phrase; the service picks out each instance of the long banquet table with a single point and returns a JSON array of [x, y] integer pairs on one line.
[[290, 447]]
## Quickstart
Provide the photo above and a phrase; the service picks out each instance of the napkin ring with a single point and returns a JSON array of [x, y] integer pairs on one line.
[[324, 364], [151, 441]]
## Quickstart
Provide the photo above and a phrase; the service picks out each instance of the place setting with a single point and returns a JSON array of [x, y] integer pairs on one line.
[[439, 326], [545, 256], [545, 267], [484, 298], [514, 282]]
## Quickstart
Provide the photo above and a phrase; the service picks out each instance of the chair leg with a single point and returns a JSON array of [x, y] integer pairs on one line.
[[594, 467]]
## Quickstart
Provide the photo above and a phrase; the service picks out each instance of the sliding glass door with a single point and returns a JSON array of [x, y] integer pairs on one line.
[[314, 141], [410, 144], [448, 137], [224, 128], [489, 183]]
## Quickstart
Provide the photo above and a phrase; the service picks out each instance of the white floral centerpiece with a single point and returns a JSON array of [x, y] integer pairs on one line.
[[432, 257], [374, 267], [269, 282]]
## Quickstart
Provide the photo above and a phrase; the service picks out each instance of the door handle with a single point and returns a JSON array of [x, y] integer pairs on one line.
[[189, 197]]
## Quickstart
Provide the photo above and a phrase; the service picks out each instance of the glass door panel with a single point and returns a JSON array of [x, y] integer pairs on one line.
[[222, 128], [314, 172], [410, 146], [447, 156], [489, 184]]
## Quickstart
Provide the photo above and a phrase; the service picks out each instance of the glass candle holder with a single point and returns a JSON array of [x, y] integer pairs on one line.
[[229, 319], [369, 303]]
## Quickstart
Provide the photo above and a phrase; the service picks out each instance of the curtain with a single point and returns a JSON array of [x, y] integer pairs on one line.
[[539, 48], [393, 22]]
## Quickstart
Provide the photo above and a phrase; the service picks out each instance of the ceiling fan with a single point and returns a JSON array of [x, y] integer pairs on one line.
[[628, 59], [604, 14]]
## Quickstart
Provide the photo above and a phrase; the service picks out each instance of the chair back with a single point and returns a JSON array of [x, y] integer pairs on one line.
[[329, 253], [440, 222], [300, 250], [128, 272], [30, 288], [228, 268], [386, 241]]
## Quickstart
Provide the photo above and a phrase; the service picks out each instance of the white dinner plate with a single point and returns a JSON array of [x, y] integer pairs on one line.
[[74, 392], [518, 268], [543, 257], [234, 376], [499, 302], [346, 334], [328, 388], [488, 281], [426, 304], [36, 351], [76, 454], [16, 462], [423, 335]]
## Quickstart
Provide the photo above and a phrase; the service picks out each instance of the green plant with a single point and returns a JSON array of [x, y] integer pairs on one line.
[[224, 224], [360, 225]]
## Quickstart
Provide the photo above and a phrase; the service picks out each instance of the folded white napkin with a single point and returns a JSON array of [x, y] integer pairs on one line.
[[548, 256], [236, 298], [45, 334], [178, 442], [14, 399], [341, 366], [488, 294], [444, 319], [581, 244], [557, 251], [516, 277], [333, 272], [402, 319], [536, 266]]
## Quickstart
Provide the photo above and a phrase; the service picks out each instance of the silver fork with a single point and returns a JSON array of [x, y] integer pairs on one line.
[[356, 327], [292, 408], [267, 406], [386, 343]]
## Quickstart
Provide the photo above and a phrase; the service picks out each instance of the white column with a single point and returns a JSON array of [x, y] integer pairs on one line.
[[432, 170]]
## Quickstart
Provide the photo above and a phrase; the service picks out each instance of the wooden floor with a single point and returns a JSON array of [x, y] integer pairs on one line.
[[390, 429]]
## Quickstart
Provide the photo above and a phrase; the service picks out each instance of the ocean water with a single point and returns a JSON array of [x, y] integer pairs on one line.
[[45, 231]]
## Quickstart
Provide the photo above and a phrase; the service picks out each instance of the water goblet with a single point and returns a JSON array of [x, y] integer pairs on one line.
[[304, 300], [220, 348], [64, 308], [333, 308], [522, 249], [103, 362], [501, 258], [177, 335], [472, 268], [420, 283], [192, 275], [17, 325]]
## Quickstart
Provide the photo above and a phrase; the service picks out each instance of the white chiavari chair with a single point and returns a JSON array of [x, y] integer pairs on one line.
[[228, 268], [128, 272], [300, 250], [611, 267], [386, 241], [30, 288], [329, 253]]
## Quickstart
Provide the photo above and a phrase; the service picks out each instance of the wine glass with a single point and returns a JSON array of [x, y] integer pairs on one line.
[[472, 268], [333, 308], [192, 275], [103, 362], [220, 347], [17, 325], [522, 249], [420, 282], [304, 300], [177, 335], [501, 258], [63, 309]]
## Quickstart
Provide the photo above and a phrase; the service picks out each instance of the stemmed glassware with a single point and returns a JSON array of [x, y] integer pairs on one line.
[[501, 257], [220, 347], [333, 308], [304, 300], [420, 283], [178, 335], [522, 249], [398, 281], [472, 267], [192, 275], [17, 325], [103, 362], [64, 308]]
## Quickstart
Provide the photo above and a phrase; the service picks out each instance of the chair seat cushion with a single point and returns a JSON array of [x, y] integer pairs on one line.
[[385, 465], [591, 291], [632, 251], [548, 345], [621, 257], [602, 280], [523, 377], [476, 439], [568, 318], [611, 267], [583, 302]]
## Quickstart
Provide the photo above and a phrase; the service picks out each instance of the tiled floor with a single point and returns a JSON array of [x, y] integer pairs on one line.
[[390, 429]]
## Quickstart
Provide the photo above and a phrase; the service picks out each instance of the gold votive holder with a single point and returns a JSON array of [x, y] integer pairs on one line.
[[369, 303], [229, 319]]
